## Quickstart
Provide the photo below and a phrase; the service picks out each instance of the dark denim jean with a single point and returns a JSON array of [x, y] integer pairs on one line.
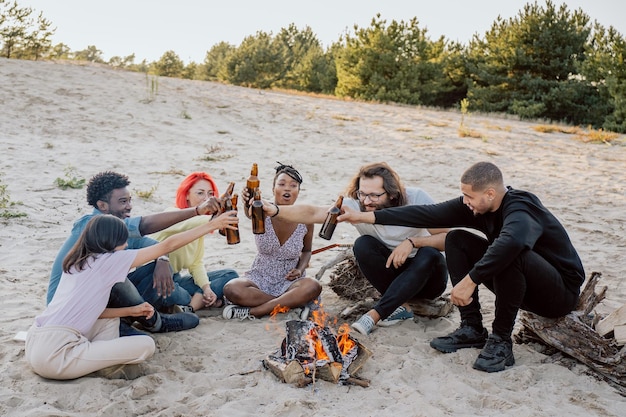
[[142, 278], [217, 278], [124, 294]]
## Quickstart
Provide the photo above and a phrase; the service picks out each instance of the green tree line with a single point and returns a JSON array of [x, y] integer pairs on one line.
[[546, 62]]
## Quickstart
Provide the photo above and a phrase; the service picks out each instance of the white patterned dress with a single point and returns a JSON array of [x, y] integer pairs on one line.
[[273, 261]]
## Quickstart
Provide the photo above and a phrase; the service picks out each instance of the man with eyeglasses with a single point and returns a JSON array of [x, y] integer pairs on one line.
[[402, 263], [526, 259]]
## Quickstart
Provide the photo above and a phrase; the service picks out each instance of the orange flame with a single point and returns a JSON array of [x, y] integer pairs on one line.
[[343, 339], [278, 309]]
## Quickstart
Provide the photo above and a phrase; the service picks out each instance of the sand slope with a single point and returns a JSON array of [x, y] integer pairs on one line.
[[54, 116]]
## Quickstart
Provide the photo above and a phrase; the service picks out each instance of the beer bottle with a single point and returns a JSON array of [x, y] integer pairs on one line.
[[253, 180], [331, 220], [226, 195], [252, 184], [232, 236], [258, 215]]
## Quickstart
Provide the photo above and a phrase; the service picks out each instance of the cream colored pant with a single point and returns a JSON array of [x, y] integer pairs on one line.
[[59, 352]]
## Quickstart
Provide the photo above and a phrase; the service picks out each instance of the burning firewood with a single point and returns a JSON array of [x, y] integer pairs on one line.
[[311, 350]]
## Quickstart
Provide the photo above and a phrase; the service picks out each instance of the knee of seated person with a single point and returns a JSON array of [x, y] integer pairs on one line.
[[363, 244], [430, 252], [231, 290], [315, 287], [456, 235]]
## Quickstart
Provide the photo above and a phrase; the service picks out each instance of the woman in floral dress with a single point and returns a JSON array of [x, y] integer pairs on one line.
[[278, 273]]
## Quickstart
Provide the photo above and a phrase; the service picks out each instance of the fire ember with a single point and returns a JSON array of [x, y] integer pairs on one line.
[[311, 350]]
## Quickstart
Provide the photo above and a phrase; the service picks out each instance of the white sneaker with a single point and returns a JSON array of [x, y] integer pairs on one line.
[[233, 311], [364, 325]]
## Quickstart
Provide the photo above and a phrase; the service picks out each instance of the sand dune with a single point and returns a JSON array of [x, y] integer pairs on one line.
[[59, 116]]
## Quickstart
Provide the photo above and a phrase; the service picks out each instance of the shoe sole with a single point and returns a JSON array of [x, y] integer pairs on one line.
[[455, 347], [390, 323], [496, 367]]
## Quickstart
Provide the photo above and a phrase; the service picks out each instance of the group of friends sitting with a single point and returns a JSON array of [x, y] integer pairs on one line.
[[118, 278]]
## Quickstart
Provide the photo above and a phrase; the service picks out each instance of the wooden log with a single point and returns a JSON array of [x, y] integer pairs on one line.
[[366, 304], [330, 372], [619, 334], [439, 307], [616, 318], [290, 372], [574, 335], [589, 296], [298, 344], [363, 354], [362, 382]]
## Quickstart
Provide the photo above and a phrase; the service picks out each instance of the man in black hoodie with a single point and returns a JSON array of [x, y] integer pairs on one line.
[[527, 259]]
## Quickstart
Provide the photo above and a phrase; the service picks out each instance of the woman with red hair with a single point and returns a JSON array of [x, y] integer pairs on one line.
[[206, 288]]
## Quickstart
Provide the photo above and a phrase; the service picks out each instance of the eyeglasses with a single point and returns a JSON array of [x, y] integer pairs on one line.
[[289, 170], [372, 196]]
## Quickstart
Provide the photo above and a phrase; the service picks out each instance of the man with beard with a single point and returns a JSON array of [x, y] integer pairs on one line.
[[527, 259], [402, 263], [108, 193]]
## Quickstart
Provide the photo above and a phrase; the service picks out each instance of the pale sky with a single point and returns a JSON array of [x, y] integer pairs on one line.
[[190, 28]]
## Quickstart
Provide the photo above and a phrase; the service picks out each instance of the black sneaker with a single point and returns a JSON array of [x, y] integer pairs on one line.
[[177, 322], [496, 355], [465, 336]]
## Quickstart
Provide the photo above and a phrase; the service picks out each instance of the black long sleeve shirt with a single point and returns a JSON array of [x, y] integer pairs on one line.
[[521, 222]]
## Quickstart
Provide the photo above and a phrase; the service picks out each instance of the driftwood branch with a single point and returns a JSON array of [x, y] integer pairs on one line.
[[575, 336], [342, 256]]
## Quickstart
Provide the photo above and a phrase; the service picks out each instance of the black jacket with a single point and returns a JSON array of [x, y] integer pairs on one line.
[[520, 223]]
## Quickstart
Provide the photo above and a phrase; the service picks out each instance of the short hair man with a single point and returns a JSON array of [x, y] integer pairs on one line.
[[108, 193], [402, 263], [527, 259]]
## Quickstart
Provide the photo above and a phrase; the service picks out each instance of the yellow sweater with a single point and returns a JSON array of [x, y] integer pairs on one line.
[[190, 256]]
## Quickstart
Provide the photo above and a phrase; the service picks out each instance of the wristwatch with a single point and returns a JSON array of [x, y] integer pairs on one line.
[[163, 258]]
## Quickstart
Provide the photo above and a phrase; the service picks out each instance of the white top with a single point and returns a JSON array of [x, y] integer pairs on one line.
[[82, 296], [392, 236]]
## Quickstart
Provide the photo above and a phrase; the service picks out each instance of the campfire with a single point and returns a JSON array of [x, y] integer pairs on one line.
[[311, 350]]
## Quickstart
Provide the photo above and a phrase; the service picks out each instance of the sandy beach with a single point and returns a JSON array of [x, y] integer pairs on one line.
[[59, 117]]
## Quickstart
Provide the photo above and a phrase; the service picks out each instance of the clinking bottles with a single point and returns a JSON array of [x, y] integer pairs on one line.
[[331, 220], [226, 195], [258, 215], [232, 236]]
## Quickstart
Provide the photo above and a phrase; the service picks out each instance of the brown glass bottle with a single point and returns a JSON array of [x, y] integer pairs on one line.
[[253, 180], [330, 223], [252, 184], [226, 195], [258, 215], [232, 236]]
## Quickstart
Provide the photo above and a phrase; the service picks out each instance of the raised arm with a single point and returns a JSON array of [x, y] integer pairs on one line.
[[352, 216], [227, 220], [153, 223], [297, 213]]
